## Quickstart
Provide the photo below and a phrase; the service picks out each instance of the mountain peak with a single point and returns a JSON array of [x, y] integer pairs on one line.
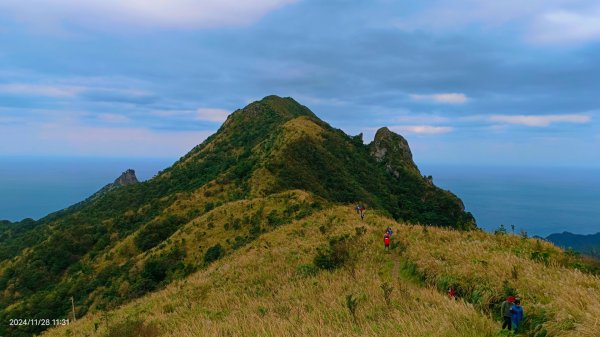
[[285, 107], [126, 178], [393, 150], [256, 121]]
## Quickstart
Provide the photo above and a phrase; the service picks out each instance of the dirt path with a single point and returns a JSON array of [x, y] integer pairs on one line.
[[396, 267]]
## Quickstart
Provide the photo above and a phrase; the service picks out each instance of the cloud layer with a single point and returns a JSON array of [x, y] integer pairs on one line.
[[540, 120], [105, 14], [421, 129], [449, 98], [464, 81], [539, 21]]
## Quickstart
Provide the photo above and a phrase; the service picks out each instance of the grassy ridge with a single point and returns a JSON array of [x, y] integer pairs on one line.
[[271, 287], [560, 299]]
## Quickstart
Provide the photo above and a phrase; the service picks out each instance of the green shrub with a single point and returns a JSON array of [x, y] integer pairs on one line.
[[445, 282], [209, 206], [158, 270], [501, 230], [274, 220], [213, 253], [156, 232], [335, 255], [538, 256]]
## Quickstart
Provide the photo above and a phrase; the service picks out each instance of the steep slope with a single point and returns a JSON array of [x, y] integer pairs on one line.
[[306, 153], [275, 287], [127, 241]]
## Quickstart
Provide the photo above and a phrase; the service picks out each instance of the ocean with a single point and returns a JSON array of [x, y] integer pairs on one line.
[[539, 200], [32, 187]]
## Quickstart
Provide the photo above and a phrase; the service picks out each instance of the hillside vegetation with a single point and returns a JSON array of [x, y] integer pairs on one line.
[[279, 285], [251, 233], [131, 239]]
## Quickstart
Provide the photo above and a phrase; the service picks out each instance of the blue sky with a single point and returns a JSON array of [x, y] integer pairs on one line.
[[465, 81]]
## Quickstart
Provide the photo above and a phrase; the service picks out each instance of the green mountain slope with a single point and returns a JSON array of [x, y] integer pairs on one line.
[[270, 163]]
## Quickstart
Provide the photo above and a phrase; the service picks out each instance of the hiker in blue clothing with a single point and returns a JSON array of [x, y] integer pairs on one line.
[[517, 314], [389, 231]]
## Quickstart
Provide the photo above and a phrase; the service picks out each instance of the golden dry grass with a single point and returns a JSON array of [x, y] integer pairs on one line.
[[568, 298], [258, 291]]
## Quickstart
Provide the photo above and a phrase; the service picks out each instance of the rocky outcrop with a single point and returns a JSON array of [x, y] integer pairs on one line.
[[127, 178], [393, 150]]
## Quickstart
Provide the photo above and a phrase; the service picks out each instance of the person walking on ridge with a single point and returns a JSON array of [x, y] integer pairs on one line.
[[517, 314], [506, 310], [386, 240], [452, 293], [361, 209]]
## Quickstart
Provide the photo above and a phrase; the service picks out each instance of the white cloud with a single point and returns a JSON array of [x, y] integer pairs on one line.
[[212, 115], [566, 26], [447, 98], [111, 14], [421, 129], [540, 21], [540, 120]]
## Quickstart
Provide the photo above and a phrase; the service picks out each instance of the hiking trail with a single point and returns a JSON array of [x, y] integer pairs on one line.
[[396, 266]]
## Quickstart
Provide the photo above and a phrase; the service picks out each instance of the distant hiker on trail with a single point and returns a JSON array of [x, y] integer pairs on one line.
[[506, 311], [517, 314], [452, 293], [361, 209], [357, 208], [386, 240], [389, 231]]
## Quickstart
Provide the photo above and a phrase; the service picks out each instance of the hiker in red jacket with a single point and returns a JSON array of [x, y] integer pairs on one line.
[[452, 293], [386, 240]]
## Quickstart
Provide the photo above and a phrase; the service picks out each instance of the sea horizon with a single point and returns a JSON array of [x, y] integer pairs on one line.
[[540, 200]]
